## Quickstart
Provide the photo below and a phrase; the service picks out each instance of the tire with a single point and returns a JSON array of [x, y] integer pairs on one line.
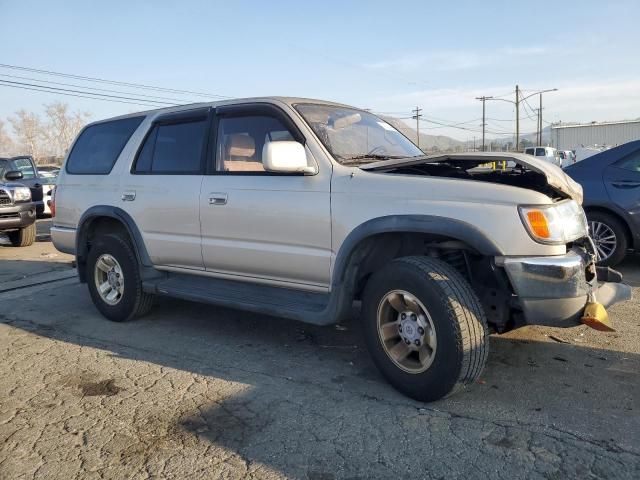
[[461, 333], [23, 237], [608, 221], [132, 302]]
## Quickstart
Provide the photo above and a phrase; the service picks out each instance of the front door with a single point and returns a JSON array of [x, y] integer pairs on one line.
[[257, 225]]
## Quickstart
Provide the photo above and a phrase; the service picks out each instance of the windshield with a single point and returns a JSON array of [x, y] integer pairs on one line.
[[355, 136]]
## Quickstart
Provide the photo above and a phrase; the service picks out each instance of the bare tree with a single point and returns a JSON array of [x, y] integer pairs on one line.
[[61, 127], [7, 147], [27, 128]]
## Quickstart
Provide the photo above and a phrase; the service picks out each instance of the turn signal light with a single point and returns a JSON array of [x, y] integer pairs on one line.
[[538, 223]]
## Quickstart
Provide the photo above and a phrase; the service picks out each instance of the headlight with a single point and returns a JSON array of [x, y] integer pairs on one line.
[[556, 224], [21, 194]]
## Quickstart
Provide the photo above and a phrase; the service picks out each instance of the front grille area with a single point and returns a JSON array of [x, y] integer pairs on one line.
[[9, 215], [5, 199]]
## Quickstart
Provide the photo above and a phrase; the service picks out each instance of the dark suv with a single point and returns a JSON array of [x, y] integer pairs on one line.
[[17, 210]]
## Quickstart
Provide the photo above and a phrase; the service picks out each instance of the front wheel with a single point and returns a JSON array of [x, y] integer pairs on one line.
[[23, 237], [424, 327], [114, 280]]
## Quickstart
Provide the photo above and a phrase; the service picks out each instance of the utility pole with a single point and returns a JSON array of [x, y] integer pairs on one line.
[[417, 116], [540, 120], [484, 123], [517, 118], [474, 143]]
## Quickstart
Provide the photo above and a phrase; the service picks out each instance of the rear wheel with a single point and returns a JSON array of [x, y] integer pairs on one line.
[[114, 280], [424, 327], [609, 237], [23, 237]]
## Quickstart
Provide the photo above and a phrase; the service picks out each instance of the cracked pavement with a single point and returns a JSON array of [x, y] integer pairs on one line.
[[194, 391]]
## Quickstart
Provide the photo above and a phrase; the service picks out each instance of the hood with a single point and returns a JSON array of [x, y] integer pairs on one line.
[[555, 177]]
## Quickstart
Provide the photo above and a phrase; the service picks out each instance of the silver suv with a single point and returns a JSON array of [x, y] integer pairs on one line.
[[298, 208]]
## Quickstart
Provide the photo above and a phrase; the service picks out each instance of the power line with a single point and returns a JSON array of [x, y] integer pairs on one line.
[[112, 82], [75, 95], [152, 102], [91, 88]]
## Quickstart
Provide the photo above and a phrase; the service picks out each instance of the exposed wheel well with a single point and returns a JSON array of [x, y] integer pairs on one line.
[[489, 282], [623, 222], [377, 250]]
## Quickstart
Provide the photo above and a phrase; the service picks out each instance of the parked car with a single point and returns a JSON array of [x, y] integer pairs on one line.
[[47, 171], [30, 177], [17, 211], [611, 183], [548, 154], [297, 208], [567, 157]]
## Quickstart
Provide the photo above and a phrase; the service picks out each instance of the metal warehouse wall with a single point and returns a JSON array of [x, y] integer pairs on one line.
[[611, 134]]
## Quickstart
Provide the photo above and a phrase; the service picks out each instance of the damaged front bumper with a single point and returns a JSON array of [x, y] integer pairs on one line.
[[554, 290]]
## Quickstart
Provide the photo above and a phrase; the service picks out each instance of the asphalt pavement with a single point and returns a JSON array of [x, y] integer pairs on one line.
[[195, 391]]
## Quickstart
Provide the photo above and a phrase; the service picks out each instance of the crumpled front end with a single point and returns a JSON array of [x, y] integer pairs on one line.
[[554, 290]]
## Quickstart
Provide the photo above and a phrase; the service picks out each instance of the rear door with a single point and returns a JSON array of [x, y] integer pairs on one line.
[[258, 225], [162, 190], [622, 181]]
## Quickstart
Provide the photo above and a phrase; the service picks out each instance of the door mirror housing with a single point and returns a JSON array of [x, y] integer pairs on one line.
[[285, 157], [13, 175]]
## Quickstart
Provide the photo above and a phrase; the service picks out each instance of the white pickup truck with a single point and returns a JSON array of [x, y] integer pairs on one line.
[[298, 208]]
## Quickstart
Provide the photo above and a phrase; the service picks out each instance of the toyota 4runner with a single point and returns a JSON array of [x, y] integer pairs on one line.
[[297, 208]]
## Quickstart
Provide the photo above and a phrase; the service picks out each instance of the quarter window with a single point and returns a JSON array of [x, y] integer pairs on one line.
[[241, 140], [173, 148], [630, 162], [98, 146]]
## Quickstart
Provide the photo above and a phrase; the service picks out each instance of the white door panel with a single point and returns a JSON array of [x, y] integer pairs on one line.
[[270, 227]]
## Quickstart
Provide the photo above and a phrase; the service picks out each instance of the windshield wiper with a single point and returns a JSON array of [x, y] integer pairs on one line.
[[372, 157]]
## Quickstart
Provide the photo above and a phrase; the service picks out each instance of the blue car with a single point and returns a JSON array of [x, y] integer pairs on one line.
[[611, 183]]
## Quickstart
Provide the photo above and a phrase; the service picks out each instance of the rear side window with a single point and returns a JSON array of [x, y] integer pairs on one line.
[[630, 162], [175, 148], [98, 147]]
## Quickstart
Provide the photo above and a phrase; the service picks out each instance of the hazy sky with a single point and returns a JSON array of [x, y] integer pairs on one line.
[[386, 56]]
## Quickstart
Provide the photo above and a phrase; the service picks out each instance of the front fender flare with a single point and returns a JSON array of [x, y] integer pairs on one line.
[[457, 229]]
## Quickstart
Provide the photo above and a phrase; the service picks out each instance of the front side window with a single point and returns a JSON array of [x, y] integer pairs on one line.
[[541, 152], [174, 148], [630, 162], [241, 140], [356, 136], [25, 166], [98, 146]]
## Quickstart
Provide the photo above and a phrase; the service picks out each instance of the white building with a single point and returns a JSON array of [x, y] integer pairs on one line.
[[572, 136]]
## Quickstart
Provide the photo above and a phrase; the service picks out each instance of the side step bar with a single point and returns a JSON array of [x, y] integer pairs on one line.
[[308, 307]]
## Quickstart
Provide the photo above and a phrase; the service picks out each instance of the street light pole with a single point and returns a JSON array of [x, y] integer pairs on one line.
[[517, 102]]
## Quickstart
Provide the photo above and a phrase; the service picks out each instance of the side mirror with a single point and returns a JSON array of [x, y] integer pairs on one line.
[[13, 175], [285, 157]]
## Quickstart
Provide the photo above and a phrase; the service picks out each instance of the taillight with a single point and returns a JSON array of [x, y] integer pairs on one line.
[[52, 204]]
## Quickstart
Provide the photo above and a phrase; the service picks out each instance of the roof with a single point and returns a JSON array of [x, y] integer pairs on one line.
[[596, 124], [232, 101]]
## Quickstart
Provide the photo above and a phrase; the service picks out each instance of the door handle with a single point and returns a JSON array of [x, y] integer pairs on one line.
[[626, 184], [128, 196], [218, 199]]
